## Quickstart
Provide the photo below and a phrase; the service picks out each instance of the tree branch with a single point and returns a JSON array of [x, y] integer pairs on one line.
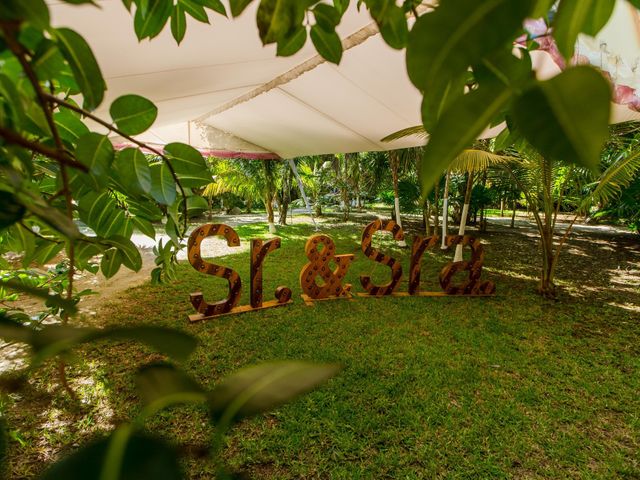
[[16, 139], [113, 129]]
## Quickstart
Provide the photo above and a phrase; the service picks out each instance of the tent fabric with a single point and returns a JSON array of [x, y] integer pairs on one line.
[[224, 93]]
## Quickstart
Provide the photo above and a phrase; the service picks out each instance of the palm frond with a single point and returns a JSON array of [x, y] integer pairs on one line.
[[418, 131], [613, 180], [474, 160]]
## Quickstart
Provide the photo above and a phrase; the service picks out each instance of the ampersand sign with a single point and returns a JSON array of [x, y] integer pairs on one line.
[[318, 266], [195, 258], [473, 285], [377, 256]]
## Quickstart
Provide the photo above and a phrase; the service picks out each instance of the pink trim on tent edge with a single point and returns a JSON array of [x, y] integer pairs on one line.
[[216, 153]]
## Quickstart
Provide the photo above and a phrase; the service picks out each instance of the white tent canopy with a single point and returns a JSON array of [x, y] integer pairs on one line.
[[223, 92]]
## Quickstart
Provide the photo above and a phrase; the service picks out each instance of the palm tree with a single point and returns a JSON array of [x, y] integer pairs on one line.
[[470, 161], [250, 180], [546, 184]]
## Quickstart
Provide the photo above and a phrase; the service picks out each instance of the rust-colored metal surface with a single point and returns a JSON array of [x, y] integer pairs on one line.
[[377, 256], [330, 280], [420, 245], [472, 285], [195, 259], [259, 251]]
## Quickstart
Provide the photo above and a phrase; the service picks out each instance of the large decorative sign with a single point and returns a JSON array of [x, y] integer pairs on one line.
[[319, 282], [376, 256], [259, 250], [321, 250], [471, 287]]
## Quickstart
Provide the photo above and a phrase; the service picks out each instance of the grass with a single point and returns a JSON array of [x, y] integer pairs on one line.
[[511, 386]]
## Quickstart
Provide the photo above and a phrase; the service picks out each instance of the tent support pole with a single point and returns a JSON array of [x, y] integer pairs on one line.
[[292, 164]]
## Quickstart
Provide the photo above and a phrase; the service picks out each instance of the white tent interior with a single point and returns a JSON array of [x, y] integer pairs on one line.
[[223, 92]]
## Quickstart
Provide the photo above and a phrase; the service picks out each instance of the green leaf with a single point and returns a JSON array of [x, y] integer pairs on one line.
[[215, 5], [130, 254], [189, 165], [48, 61], [133, 114], [196, 205], [96, 152], [46, 250], [48, 214], [458, 127], [102, 214], [261, 388], [162, 385], [154, 19], [566, 118], [85, 250], [393, 27], [457, 34], [12, 331], [20, 240], [341, 5], [579, 16], [635, 3], [53, 340], [195, 10], [327, 44], [132, 169], [178, 23], [277, 19], [144, 458], [290, 45], [83, 64], [144, 226], [12, 210], [542, 8], [238, 6], [438, 100], [145, 209], [33, 11], [13, 101], [163, 188], [41, 293], [110, 263], [70, 127], [326, 16]]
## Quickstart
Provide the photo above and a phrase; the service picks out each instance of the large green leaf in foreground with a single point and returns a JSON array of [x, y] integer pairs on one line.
[[567, 117]]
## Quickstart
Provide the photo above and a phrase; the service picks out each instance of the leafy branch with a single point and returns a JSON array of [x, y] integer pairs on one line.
[[95, 118]]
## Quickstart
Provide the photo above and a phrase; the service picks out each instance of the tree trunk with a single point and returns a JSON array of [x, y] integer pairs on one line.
[[513, 215], [396, 197], [426, 218], [283, 210], [547, 288], [436, 195], [445, 211], [502, 207], [463, 218], [210, 212], [268, 204], [249, 205]]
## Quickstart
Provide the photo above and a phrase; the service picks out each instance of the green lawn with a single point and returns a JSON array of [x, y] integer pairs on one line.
[[512, 386]]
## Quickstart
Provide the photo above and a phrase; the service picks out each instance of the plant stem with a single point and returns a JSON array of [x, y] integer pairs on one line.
[[62, 158], [9, 30], [113, 129]]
